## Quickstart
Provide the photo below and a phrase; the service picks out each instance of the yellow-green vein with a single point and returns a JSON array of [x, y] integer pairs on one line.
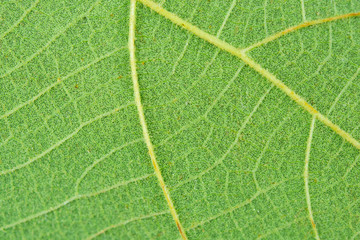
[[297, 27], [306, 177], [137, 96]]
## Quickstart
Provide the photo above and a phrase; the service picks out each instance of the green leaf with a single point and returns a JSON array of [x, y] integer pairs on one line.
[[247, 127]]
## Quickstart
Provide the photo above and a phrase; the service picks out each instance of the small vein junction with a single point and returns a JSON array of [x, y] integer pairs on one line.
[[33, 5], [88, 195], [59, 143], [56, 36], [57, 82]]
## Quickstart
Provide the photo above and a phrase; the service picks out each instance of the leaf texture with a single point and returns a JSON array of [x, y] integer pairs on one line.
[[179, 119]]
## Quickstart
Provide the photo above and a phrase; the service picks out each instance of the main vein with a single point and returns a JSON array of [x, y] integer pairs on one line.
[[149, 145], [254, 65], [306, 178]]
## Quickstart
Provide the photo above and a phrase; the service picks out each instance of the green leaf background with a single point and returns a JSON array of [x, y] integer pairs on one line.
[[231, 147]]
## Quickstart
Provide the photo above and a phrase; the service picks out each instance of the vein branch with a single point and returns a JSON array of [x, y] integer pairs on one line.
[[57, 82], [303, 13], [254, 65], [62, 141], [51, 40], [72, 199], [239, 205], [126, 222], [306, 178], [27, 11], [90, 167], [143, 124], [297, 27]]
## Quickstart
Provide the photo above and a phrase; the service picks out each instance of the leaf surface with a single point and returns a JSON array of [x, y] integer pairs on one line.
[[222, 150]]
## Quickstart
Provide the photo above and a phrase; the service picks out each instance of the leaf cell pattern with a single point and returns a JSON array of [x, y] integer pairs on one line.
[[179, 119]]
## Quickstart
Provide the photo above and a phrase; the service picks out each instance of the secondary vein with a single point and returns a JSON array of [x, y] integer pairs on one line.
[[299, 26]]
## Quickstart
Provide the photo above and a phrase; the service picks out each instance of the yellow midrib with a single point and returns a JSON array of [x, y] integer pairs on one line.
[[143, 124]]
